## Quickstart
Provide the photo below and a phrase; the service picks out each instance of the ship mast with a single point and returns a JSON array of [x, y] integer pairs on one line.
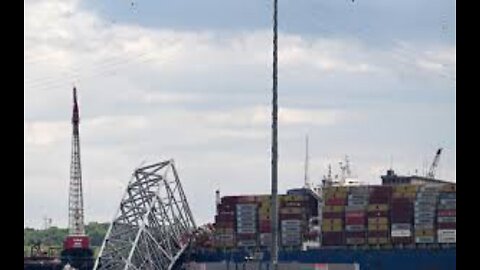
[[75, 197], [306, 178]]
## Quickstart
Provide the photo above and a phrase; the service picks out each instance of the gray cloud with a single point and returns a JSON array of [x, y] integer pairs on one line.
[[202, 98]]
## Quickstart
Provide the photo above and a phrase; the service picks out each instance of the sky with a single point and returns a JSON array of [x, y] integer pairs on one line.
[[191, 81]]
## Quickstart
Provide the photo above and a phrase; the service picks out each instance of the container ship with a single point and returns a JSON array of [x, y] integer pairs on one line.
[[407, 222]]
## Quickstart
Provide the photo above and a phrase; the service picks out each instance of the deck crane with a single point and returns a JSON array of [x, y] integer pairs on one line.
[[433, 167]]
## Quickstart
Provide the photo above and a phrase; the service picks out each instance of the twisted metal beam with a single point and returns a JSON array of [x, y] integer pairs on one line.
[[153, 225]]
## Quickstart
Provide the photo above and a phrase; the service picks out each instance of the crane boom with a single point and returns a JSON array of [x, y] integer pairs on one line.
[[433, 167]]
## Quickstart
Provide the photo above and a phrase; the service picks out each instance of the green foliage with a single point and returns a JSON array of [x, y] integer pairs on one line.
[[54, 236]]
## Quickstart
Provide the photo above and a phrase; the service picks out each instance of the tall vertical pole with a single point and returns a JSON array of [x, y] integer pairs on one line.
[[307, 180], [274, 249]]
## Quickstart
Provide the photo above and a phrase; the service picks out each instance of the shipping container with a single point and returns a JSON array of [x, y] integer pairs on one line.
[[330, 215], [333, 239], [355, 234], [441, 226], [378, 220], [446, 213], [333, 208], [401, 226], [378, 240], [424, 239], [374, 214], [355, 241], [446, 219], [354, 220], [355, 228], [378, 227], [401, 233], [378, 207], [354, 208]]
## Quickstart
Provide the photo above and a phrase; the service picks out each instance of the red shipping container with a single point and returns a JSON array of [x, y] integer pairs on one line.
[[224, 207], [224, 218], [74, 242], [263, 223], [354, 220], [447, 213], [441, 226], [355, 214], [336, 201], [265, 229], [230, 200], [224, 224], [332, 214]]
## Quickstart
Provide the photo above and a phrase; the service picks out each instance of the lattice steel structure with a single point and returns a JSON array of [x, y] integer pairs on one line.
[[153, 225], [75, 196]]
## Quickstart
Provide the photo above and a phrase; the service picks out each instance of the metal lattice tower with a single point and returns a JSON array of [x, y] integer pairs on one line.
[[75, 198], [153, 225]]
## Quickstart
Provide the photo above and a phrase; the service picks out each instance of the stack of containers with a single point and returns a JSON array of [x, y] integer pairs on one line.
[[378, 213], [246, 224], [447, 215], [425, 205], [225, 223], [401, 213], [355, 215], [264, 220], [332, 217], [293, 214]]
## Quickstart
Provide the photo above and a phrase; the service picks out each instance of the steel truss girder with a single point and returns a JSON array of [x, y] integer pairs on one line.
[[153, 224]]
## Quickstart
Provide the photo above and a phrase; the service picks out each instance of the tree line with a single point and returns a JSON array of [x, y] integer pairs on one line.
[[54, 236]]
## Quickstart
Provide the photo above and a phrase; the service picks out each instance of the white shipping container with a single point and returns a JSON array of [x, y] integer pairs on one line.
[[291, 230], [447, 240], [445, 233], [246, 220], [424, 226], [246, 225], [424, 220], [291, 243], [224, 237], [446, 219], [246, 206], [448, 201], [253, 230], [401, 233], [246, 243], [424, 239], [296, 222], [423, 215]]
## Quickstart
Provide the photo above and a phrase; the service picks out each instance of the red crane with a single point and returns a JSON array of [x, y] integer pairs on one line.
[[76, 246]]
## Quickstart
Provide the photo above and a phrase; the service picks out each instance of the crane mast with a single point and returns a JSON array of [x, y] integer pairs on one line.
[[433, 167], [75, 197]]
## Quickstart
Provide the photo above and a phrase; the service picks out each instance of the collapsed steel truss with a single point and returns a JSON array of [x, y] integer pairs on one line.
[[153, 225]]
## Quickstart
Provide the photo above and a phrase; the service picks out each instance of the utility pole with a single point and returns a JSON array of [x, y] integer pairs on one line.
[[274, 202]]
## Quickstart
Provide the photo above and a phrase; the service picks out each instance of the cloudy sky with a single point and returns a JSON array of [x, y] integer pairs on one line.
[[191, 80]]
